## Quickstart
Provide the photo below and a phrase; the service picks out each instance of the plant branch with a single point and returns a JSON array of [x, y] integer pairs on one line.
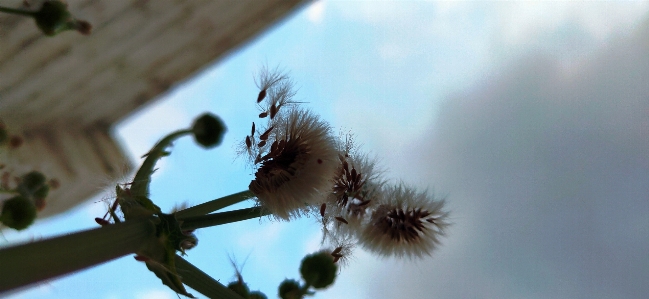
[[30, 263], [17, 11], [214, 205], [140, 186], [222, 218], [201, 282]]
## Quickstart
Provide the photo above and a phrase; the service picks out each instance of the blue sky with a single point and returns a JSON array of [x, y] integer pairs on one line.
[[530, 117]]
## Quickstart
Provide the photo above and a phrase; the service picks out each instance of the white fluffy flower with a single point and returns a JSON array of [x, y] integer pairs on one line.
[[296, 163], [356, 183], [405, 223]]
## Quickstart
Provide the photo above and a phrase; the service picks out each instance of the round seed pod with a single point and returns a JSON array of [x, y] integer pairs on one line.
[[240, 288], [208, 130], [32, 181], [318, 270], [290, 289], [53, 17], [18, 213]]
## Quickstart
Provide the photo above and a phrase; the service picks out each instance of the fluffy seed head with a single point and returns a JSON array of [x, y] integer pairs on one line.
[[297, 166], [357, 181], [405, 223]]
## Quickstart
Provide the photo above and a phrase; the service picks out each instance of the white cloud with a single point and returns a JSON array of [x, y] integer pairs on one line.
[[522, 22], [509, 27], [546, 174], [142, 130], [316, 11]]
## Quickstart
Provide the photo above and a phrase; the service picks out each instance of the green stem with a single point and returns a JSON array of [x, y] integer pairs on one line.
[[214, 205], [17, 11], [222, 218], [201, 282], [30, 263], [140, 186]]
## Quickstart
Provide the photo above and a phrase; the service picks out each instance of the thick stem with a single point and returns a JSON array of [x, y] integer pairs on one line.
[[30, 263], [17, 11], [201, 282], [214, 205], [222, 218]]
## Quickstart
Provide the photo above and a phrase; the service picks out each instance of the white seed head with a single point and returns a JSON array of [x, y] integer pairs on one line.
[[405, 223], [357, 183], [296, 165]]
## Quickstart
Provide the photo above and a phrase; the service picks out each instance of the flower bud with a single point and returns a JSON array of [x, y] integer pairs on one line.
[[53, 17], [318, 270], [31, 183], [290, 289], [33, 180], [18, 213], [240, 288], [208, 130]]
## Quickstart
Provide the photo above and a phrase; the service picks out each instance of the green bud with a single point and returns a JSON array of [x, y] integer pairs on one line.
[[33, 180], [208, 130], [53, 17], [318, 270], [290, 289], [18, 213], [257, 295], [31, 183], [240, 288]]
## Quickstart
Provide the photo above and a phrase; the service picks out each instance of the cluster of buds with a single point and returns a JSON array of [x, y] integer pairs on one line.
[[24, 195], [302, 168]]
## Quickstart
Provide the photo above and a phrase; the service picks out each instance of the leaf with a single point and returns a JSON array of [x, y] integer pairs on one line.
[[169, 278], [161, 253]]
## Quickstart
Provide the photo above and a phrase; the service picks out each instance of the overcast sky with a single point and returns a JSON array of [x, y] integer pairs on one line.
[[532, 119], [546, 166]]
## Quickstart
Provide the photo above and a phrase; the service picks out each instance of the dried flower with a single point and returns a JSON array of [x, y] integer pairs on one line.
[[295, 165], [357, 182], [405, 223]]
